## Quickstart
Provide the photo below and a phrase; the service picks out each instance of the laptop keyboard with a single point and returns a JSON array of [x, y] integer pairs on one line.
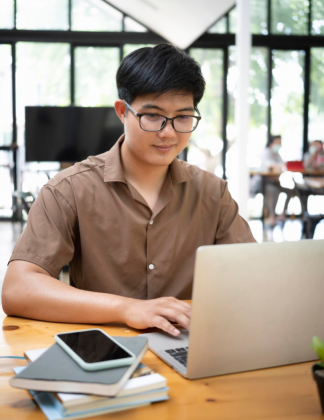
[[179, 354]]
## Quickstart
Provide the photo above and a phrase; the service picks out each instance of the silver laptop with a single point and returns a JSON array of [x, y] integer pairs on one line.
[[253, 306]]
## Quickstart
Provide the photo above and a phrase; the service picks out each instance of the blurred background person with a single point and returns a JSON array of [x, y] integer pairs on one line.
[[314, 158], [272, 161]]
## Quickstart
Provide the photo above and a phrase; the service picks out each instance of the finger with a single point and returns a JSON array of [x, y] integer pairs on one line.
[[177, 307], [176, 316], [165, 325], [182, 303], [171, 302]]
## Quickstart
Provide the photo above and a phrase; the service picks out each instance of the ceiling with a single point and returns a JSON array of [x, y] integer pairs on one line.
[[180, 22]]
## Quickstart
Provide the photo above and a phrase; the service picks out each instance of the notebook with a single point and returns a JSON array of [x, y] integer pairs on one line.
[[142, 381], [56, 371]]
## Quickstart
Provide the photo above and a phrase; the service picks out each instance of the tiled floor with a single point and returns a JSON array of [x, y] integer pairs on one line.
[[291, 230]]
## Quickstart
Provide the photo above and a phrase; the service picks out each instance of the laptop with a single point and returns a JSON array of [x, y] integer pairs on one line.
[[254, 306]]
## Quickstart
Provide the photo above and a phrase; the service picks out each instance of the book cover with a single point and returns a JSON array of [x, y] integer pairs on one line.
[[56, 371], [143, 380], [53, 410]]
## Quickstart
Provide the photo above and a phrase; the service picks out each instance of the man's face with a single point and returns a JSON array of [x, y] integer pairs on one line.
[[161, 147]]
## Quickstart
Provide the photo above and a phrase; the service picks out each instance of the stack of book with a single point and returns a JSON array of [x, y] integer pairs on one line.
[[55, 382]]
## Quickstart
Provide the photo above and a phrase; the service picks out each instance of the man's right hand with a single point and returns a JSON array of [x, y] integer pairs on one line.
[[158, 313]]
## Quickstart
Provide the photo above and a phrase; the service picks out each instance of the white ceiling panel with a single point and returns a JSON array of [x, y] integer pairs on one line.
[[180, 22]]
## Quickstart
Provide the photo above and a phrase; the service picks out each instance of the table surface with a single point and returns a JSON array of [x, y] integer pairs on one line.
[[314, 172], [287, 392]]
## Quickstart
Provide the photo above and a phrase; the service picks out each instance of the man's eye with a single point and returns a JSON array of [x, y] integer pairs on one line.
[[152, 117], [183, 118]]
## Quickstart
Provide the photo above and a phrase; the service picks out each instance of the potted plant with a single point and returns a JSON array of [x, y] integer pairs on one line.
[[318, 368]]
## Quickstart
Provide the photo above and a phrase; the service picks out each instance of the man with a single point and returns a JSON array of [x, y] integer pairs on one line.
[[128, 221], [314, 158], [272, 161]]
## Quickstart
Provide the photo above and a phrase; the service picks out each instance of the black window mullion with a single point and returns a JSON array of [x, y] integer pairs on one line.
[[310, 18], [227, 23], [15, 14], [123, 22], [70, 14], [225, 109], [72, 74], [269, 16], [14, 130], [269, 87], [121, 52], [306, 98]]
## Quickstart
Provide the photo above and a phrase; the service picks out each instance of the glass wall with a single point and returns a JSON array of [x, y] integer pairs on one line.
[[40, 14], [206, 143], [287, 101], [317, 17], [289, 17], [6, 162], [7, 14], [219, 27], [95, 15], [95, 75], [5, 95], [316, 105], [44, 71], [46, 67]]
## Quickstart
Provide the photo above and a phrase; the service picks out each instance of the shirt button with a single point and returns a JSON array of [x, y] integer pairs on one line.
[[151, 266], [151, 222]]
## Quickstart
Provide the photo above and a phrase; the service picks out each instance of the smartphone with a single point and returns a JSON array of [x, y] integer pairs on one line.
[[94, 349]]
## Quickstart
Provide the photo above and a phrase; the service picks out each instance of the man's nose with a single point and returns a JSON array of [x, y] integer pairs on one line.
[[167, 131]]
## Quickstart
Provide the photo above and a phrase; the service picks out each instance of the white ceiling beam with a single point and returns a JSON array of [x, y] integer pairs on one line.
[[180, 22]]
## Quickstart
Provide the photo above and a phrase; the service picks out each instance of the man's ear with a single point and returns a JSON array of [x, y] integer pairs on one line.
[[120, 109]]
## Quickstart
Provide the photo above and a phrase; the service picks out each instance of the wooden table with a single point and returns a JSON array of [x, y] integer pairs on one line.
[[280, 393], [275, 174]]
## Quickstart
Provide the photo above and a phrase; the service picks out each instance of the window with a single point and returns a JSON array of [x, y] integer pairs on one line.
[[128, 48], [5, 95], [7, 14], [95, 15], [131, 25], [206, 143], [219, 27], [317, 17], [289, 17], [316, 106], [40, 14], [95, 75], [259, 14], [232, 16], [258, 100], [287, 101]]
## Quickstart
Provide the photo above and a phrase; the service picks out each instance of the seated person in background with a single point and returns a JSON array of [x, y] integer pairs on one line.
[[128, 222], [272, 161], [314, 158]]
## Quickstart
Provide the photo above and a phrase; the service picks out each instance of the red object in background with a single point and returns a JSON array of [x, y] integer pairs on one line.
[[295, 166]]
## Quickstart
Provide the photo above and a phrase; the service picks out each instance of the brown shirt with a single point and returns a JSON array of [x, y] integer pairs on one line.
[[89, 217]]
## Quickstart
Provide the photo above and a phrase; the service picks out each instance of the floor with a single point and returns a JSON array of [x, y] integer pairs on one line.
[[291, 230]]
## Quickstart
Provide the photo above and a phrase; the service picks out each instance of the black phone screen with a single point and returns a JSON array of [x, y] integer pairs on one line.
[[93, 346]]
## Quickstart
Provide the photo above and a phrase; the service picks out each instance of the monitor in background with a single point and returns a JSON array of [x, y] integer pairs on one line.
[[69, 134]]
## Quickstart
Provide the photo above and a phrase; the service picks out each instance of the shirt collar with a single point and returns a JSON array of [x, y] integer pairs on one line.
[[179, 171]]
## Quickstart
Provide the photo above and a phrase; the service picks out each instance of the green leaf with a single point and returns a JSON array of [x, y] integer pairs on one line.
[[318, 346]]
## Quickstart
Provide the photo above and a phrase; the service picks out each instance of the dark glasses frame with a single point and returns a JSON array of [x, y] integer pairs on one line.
[[137, 114]]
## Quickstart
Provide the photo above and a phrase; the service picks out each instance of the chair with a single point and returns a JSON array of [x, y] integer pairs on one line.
[[310, 221], [26, 199]]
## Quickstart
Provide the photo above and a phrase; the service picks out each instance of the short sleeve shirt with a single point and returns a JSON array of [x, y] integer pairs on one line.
[[90, 217]]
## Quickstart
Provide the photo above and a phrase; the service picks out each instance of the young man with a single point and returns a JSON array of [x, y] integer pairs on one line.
[[128, 222]]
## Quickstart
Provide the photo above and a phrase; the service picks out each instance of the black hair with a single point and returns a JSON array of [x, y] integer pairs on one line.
[[273, 138], [157, 70]]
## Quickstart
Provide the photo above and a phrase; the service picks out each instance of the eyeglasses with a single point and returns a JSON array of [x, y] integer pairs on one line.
[[156, 122]]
